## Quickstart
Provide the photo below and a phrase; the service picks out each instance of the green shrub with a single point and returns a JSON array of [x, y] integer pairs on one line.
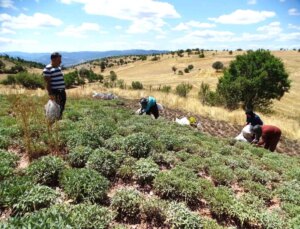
[[257, 189], [127, 203], [258, 175], [166, 159], [84, 184], [27, 80], [220, 201], [138, 145], [221, 174], [103, 161], [7, 164], [39, 196], [12, 188], [166, 89], [210, 224], [183, 89], [153, 210], [145, 170], [126, 171], [46, 170], [179, 216], [4, 142], [85, 137], [170, 142], [137, 85], [289, 192], [178, 183], [114, 143], [78, 156], [64, 216]]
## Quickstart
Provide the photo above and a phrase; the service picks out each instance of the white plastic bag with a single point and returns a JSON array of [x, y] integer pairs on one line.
[[52, 110], [245, 135], [183, 121], [105, 96], [160, 107]]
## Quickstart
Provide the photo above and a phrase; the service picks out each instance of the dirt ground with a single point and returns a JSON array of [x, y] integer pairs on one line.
[[220, 129]]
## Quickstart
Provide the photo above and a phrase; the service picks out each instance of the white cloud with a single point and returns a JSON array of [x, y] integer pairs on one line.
[[244, 17], [5, 40], [291, 26], [146, 25], [251, 2], [193, 24], [294, 12], [128, 10], [6, 31], [271, 29], [159, 37], [80, 31], [118, 27], [290, 36], [202, 36], [7, 4], [38, 20]]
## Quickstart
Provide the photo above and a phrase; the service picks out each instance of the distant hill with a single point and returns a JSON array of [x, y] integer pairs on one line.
[[73, 58]]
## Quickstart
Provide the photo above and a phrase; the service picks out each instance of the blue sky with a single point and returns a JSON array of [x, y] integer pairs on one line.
[[99, 25]]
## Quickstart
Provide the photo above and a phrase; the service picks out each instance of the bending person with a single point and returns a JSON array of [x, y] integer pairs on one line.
[[269, 135], [149, 106]]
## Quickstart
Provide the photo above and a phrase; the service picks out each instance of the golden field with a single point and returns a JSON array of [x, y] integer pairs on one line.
[[153, 74]]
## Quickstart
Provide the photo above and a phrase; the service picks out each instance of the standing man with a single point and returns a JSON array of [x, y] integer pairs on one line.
[[55, 81], [149, 106], [270, 136]]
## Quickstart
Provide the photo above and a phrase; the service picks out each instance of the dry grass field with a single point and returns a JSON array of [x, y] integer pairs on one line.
[[153, 74]]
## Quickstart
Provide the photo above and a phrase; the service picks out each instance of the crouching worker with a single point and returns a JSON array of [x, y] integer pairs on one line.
[[270, 136], [149, 106], [252, 118]]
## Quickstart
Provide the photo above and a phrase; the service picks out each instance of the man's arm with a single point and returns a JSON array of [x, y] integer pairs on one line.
[[48, 84]]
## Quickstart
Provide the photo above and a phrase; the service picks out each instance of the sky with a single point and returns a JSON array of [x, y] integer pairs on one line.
[[101, 25]]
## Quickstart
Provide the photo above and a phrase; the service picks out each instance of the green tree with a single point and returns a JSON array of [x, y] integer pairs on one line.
[[190, 67], [218, 65], [2, 64], [254, 79], [102, 66], [230, 52], [174, 69], [183, 89], [113, 76]]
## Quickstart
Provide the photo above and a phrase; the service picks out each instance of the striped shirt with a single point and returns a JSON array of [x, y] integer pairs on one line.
[[57, 77]]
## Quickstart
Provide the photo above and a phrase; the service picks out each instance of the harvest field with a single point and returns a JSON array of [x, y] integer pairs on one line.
[[104, 167]]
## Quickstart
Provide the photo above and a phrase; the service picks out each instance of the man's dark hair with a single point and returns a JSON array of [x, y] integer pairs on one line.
[[143, 102], [55, 55], [249, 112]]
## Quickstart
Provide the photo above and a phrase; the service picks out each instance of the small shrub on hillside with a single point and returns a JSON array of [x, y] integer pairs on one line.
[[289, 192], [146, 170], [86, 137], [221, 174], [257, 189], [65, 216], [114, 143], [7, 164], [138, 145], [153, 210], [179, 216], [195, 163], [39, 196], [137, 85], [84, 184], [126, 170], [103, 161], [166, 89], [4, 142], [178, 183], [25, 79], [170, 141], [78, 156], [127, 203], [210, 224], [180, 72], [258, 175], [167, 159], [46, 170], [220, 201], [12, 188], [242, 174], [183, 89]]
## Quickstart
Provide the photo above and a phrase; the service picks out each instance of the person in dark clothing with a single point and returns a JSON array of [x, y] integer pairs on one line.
[[55, 81], [270, 136], [253, 118], [149, 106]]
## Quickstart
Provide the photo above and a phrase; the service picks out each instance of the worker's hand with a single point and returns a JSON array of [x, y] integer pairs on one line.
[[51, 97], [254, 141]]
